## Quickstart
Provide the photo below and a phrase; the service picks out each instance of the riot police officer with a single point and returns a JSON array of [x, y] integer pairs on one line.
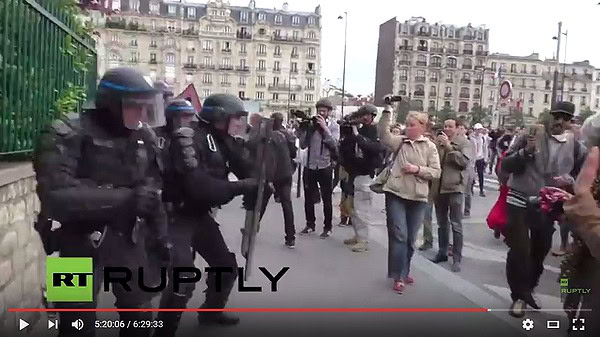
[[202, 158], [100, 178]]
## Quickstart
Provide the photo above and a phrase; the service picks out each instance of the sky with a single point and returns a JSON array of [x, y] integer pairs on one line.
[[517, 27]]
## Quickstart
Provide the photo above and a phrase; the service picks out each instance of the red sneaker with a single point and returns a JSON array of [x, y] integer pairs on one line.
[[398, 287], [409, 280]]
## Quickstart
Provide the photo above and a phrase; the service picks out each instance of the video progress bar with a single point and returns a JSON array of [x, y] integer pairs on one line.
[[341, 310]]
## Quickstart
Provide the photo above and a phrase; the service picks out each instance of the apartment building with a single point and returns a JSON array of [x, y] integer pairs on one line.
[[268, 55]]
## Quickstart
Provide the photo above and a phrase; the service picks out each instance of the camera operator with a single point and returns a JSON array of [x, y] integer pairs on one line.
[[319, 136], [366, 155]]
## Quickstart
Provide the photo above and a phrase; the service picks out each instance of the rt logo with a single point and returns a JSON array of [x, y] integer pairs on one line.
[[69, 279]]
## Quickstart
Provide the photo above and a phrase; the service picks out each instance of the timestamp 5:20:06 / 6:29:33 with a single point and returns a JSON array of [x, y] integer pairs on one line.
[[119, 324]]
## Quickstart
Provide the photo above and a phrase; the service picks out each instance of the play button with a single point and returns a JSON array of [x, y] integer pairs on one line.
[[22, 324]]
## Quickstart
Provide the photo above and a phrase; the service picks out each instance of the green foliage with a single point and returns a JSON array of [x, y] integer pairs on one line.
[[446, 113], [544, 117], [479, 115], [70, 98], [585, 114]]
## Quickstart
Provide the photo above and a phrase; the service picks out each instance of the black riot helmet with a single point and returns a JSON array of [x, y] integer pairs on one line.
[[221, 107], [180, 113], [126, 100]]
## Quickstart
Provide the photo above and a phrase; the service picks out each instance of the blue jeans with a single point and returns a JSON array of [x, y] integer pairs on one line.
[[404, 217]]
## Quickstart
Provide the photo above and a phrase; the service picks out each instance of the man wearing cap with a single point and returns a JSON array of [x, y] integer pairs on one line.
[[543, 156], [481, 153]]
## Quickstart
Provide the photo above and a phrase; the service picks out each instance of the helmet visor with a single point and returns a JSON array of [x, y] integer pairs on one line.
[[184, 121], [141, 110]]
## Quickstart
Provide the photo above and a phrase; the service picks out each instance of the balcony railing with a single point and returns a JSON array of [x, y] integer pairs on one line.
[[570, 89], [190, 32], [402, 92], [153, 62], [285, 87], [469, 37], [226, 50], [420, 79], [453, 51], [190, 66], [478, 81], [309, 87], [207, 66], [422, 48], [432, 94], [464, 95], [261, 53], [433, 79], [467, 66], [403, 78], [584, 89], [406, 47], [436, 65], [531, 101], [422, 63], [225, 67], [419, 93], [244, 68], [404, 63], [481, 53], [548, 88], [311, 72], [276, 70], [449, 65], [468, 51], [277, 55], [465, 80], [311, 56], [420, 33], [437, 50], [448, 94], [244, 35], [476, 96], [532, 86], [294, 71], [260, 85], [449, 80], [294, 56], [261, 69]]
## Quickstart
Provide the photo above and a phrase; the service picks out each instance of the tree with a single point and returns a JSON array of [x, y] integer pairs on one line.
[[445, 113], [585, 114], [544, 117], [478, 115]]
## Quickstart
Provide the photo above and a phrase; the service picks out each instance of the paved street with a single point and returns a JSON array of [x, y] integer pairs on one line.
[[324, 273]]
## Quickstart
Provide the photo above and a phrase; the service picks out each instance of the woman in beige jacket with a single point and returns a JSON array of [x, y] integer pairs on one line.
[[406, 191]]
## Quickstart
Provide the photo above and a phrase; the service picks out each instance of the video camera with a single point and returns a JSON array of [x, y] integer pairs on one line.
[[389, 99], [304, 119]]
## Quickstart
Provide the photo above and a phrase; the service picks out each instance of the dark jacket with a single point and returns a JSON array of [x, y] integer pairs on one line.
[[280, 154], [455, 162], [363, 153]]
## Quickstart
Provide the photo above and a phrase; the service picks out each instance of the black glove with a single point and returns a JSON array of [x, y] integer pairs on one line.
[[147, 201], [245, 186]]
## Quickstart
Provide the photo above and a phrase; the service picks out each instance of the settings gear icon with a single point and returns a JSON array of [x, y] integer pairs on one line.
[[528, 324]]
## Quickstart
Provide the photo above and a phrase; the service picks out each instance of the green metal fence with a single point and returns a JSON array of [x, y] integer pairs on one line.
[[39, 51]]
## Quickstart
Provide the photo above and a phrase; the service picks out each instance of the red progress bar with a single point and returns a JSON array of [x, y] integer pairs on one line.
[[256, 310]]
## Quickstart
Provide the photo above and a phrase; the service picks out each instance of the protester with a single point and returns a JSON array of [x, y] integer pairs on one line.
[[454, 151], [543, 156], [494, 136], [481, 153], [428, 218], [462, 131], [407, 191]]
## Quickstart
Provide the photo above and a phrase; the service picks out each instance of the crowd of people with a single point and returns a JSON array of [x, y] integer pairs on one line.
[[125, 189]]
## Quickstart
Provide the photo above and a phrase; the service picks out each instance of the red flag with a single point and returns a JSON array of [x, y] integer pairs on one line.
[[190, 94]]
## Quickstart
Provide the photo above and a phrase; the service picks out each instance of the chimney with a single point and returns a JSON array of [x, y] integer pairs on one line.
[[285, 6]]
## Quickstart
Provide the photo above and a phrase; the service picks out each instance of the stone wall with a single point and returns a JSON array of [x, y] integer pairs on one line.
[[22, 256]]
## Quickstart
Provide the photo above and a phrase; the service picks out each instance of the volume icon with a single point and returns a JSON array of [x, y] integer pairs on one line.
[[78, 324]]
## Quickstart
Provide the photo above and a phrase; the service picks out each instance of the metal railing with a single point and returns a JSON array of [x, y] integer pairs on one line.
[[43, 61]]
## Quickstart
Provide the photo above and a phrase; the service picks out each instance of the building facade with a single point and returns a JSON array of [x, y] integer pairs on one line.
[[437, 65], [268, 55]]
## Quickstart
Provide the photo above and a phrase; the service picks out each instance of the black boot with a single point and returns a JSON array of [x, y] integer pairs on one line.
[[216, 318], [170, 324]]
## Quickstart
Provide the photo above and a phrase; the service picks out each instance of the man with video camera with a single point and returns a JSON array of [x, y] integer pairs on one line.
[[319, 136], [362, 155]]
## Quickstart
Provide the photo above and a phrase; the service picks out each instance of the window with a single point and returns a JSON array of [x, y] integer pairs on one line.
[[432, 90], [275, 81], [530, 111], [312, 35], [114, 38], [260, 95], [262, 65], [311, 20], [421, 73], [170, 42], [571, 98], [207, 78], [452, 62], [225, 79], [134, 5], [244, 17], [292, 97], [493, 66], [191, 12], [450, 76], [135, 56], [513, 68], [523, 84], [295, 51], [242, 48], [242, 94], [207, 61], [524, 68], [403, 87], [295, 20], [598, 90], [311, 51], [277, 51], [311, 66], [451, 33], [310, 83], [583, 102], [308, 97], [154, 8], [172, 9], [451, 46], [434, 77], [153, 24], [479, 36], [207, 45], [226, 62], [205, 92], [133, 42], [243, 80], [597, 102], [479, 62], [294, 67], [277, 19], [262, 49], [403, 74], [276, 66], [190, 59], [275, 96], [243, 64], [171, 26], [434, 32], [260, 80], [226, 46], [227, 29], [296, 35], [534, 69], [422, 58], [152, 57], [448, 90], [531, 97], [170, 58], [546, 98]]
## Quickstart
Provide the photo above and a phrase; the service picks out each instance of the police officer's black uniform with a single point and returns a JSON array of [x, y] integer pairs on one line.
[[101, 181], [202, 158]]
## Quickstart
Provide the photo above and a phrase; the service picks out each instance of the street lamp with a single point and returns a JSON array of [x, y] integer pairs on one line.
[[554, 83], [562, 88], [345, 17]]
